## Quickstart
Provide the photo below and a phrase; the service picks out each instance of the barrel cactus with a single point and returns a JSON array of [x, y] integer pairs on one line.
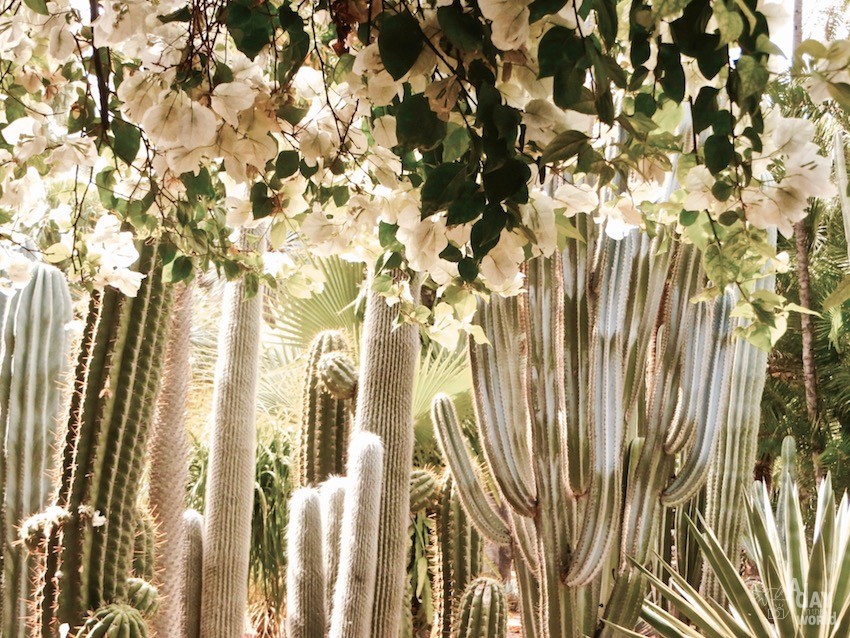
[[143, 596], [339, 374], [115, 620], [483, 611], [424, 488]]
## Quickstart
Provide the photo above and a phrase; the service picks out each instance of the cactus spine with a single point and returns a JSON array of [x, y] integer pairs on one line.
[[604, 350], [388, 365], [191, 564], [483, 611], [458, 550], [88, 558], [230, 481], [168, 471], [325, 421], [35, 357], [305, 584]]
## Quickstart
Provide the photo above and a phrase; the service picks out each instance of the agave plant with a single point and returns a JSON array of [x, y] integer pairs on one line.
[[802, 589]]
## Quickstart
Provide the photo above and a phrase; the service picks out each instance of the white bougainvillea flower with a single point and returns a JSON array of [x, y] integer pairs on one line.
[[229, 99], [500, 267], [539, 217], [384, 131], [423, 242], [72, 152], [576, 198], [510, 22]]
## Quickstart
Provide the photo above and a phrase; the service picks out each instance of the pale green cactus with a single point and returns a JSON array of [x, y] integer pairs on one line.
[[606, 353], [115, 620], [483, 611], [424, 488]]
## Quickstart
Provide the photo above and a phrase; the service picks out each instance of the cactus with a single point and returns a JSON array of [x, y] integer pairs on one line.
[[144, 545], [390, 355], [305, 582], [115, 620], [332, 494], [168, 470], [423, 489], [483, 611], [325, 420], [35, 357], [230, 478], [191, 563], [143, 596], [339, 374], [605, 349], [355, 589], [88, 554], [458, 558]]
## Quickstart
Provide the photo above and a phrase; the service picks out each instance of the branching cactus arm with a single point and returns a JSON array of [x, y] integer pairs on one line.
[[305, 575]]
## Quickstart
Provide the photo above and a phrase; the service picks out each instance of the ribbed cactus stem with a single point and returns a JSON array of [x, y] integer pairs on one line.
[[483, 611], [35, 358], [390, 356], [458, 558], [355, 586], [339, 374], [424, 488], [332, 493], [305, 570], [191, 575], [325, 421], [115, 620], [230, 479], [168, 469], [144, 548]]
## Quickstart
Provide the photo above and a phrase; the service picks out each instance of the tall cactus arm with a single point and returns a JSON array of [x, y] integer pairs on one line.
[[332, 493], [388, 364], [706, 408], [355, 585], [602, 510], [230, 481], [501, 402], [472, 495], [168, 468], [191, 573], [525, 541], [305, 571]]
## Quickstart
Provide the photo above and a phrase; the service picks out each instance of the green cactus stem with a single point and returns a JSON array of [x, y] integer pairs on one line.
[[483, 611], [115, 620], [35, 359], [305, 573], [458, 558], [145, 545], [88, 558], [339, 374], [143, 596], [424, 488], [325, 420]]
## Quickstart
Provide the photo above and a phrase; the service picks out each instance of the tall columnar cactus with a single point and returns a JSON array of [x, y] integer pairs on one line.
[[168, 469], [325, 421], [89, 535], [230, 479], [144, 545], [332, 493], [483, 611], [35, 357], [458, 551], [313, 523], [306, 615], [389, 358], [191, 558], [605, 353]]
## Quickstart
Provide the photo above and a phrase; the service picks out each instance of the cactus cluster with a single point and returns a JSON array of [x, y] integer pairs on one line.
[[603, 398], [35, 357]]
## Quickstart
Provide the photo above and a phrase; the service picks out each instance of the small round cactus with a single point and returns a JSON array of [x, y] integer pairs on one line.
[[142, 596], [339, 374], [423, 489], [483, 611], [115, 620]]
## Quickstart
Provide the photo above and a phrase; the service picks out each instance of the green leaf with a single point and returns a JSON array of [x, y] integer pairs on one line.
[[286, 164], [463, 30], [442, 186], [729, 22], [559, 47], [673, 75], [417, 126], [542, 8], [752, 77], [839, 295], [263, 205], [456, 143], [467, 268], [178, 269], [250, 25], [564, 146], [39, 6], [840, 92], [665, 8], [719, 153], [183, 14], [128, 139], [399, 43], [705, 108], [507, 180], [606, 18]]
